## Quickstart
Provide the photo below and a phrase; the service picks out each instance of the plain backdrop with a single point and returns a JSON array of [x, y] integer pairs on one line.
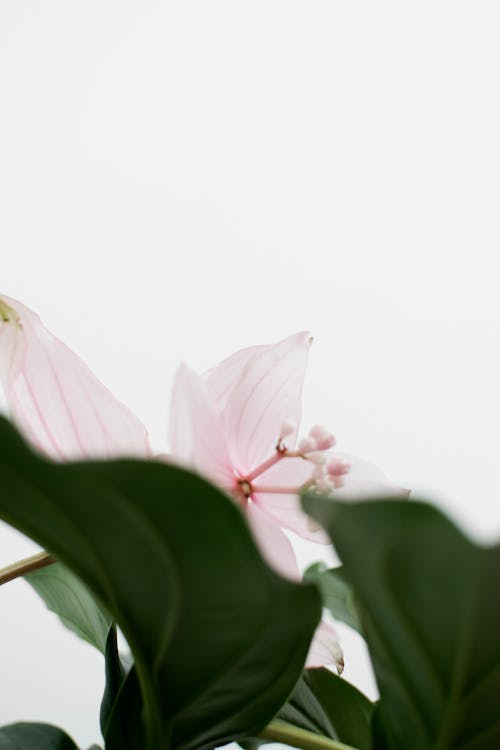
[[181, 179]]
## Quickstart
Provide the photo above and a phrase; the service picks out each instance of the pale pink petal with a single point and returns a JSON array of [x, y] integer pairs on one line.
[[266, 391], [286, 509], [365, 480], [222, 379], [56, 401], [273, 543], [195, 429], [325, 649]]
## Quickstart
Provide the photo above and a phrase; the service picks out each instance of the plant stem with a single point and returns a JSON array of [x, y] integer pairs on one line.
[[281, 731], [27, 565]]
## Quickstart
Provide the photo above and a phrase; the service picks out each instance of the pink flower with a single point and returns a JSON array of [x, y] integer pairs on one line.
[[237, 426]]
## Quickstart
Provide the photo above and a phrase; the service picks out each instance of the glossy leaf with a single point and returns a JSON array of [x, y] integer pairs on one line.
[[219, 640], [27, 736], [328, 705], [305, 710], [337, 593], [431, 614], [69, 598], [348, 710]]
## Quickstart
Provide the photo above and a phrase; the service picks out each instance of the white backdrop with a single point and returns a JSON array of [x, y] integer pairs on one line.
[[181, 179]]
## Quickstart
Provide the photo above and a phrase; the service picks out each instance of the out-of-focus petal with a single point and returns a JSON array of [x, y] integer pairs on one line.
[[365, 480], [195, 429], [267, 391], [285, 508], [325, 649], [56, 401], [273, 543]]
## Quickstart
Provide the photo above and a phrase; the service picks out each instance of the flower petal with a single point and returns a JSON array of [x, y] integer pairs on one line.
[[257, 390], [222, 379], [54, 398], [195, 429], [325, 649], [286, 508], [274, 545], [366, 480]]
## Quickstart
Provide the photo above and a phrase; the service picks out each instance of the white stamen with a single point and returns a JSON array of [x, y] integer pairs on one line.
[[287, 428], [318, 458], [319, 472], [307, 445]]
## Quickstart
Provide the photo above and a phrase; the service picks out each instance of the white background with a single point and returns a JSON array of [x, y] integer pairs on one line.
[[181, 179]]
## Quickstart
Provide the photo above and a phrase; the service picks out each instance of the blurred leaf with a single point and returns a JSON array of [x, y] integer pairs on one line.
[[219, 640], [27, 736], [337, 593], [431, 612], [115, 675], [328, 705], [347, 709], [69, 598], [304, 709]]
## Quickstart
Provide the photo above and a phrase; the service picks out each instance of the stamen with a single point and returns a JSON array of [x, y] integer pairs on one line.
[[323, 437], [307, 445], [317, 457], [277, 490], [287, 428], [265, 465], [326, 471], [319, 472], [337, 467]]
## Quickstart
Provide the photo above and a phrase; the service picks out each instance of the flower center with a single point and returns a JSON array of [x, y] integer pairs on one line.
[[327, 471], [245, 487]]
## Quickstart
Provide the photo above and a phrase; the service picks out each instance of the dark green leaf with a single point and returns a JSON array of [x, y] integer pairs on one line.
[[251, 743], [327, 705], [219, 640], [431, 613], [124, 723], [305, 710], [24, 736], [64, 593], [330, 706], [115, 675], [337, 593], [347, 709]]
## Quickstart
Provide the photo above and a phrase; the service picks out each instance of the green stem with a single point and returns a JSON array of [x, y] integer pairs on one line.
[[281, 731], [27, 565]]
